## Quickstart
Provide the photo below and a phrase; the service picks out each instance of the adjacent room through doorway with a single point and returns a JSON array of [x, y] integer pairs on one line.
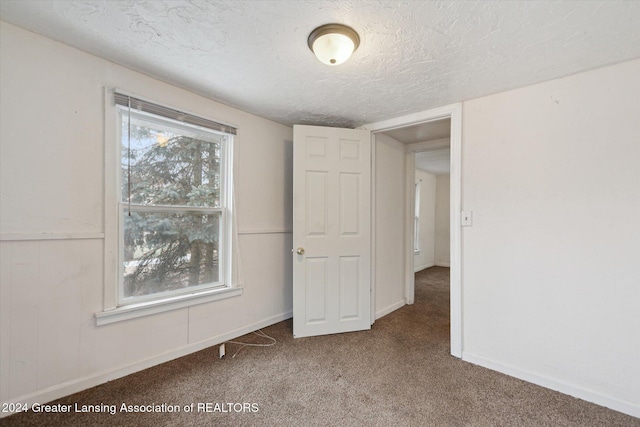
[[428, 214], [431, 239]]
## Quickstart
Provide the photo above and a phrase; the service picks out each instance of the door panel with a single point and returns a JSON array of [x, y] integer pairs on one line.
[[349, 292], [332, 211], [349, 204], [316, 206], [316, 275]]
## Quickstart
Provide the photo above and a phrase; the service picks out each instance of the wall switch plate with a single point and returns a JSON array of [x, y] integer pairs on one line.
[[466, 218]]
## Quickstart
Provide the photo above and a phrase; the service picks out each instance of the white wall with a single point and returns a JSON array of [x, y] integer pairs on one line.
[[551, 266], [442, 251], [434, 221], [389, 224], [427, 232], [51, 182]]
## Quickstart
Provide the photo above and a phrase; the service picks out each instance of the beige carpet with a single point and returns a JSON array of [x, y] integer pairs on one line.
[[399, 373]]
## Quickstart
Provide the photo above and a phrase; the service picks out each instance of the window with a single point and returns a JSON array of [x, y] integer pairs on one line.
[[174, 205]]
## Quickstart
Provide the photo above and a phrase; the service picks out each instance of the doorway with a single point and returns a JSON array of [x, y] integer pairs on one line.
[[450, 117], [432, 208]]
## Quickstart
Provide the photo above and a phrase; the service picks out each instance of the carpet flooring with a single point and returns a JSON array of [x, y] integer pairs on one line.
[[399, 373]]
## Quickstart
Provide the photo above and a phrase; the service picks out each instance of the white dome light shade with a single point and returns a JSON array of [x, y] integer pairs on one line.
[[333, 44], [333, 49]]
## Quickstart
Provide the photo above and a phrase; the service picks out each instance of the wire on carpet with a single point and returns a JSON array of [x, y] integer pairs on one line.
[[246, 344]]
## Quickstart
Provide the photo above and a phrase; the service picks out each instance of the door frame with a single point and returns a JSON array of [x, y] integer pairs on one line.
[[454, 113]]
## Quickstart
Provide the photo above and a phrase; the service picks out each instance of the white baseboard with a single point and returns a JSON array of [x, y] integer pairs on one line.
[[619, 405], [79, 384], [422, 267], [390, 308], [443, 264]]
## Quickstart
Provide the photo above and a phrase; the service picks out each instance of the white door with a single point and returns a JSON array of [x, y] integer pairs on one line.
[[331, 230]]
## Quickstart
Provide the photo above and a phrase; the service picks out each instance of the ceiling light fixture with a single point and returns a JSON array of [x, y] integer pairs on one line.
[[333, 44]]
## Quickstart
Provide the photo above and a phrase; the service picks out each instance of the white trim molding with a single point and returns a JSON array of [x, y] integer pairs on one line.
[[133, 311], [372, 227], [74, 386], [453, 112], [409, 225], [264, 231], [629, 408], [434, 114], [390, 308], [72, 235], [423, 267]]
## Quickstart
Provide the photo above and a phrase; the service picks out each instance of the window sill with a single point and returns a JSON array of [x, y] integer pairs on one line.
[[133, 311]]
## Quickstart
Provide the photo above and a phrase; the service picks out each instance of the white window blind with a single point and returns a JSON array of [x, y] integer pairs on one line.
[[170, 113]]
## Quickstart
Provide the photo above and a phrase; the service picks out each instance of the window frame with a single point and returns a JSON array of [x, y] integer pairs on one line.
[[115, 308]]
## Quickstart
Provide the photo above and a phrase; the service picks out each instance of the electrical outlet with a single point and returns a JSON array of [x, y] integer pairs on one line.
[[222, 350]]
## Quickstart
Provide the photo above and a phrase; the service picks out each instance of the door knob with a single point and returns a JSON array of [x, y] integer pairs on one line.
[[300, 251]]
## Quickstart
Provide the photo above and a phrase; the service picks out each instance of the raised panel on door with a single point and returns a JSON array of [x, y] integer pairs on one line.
[[349, 291], [349, 204], [316, 203], [317, 284]]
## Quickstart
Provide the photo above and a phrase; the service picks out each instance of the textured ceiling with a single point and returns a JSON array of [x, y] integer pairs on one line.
[[436, 162], [413, 55]]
